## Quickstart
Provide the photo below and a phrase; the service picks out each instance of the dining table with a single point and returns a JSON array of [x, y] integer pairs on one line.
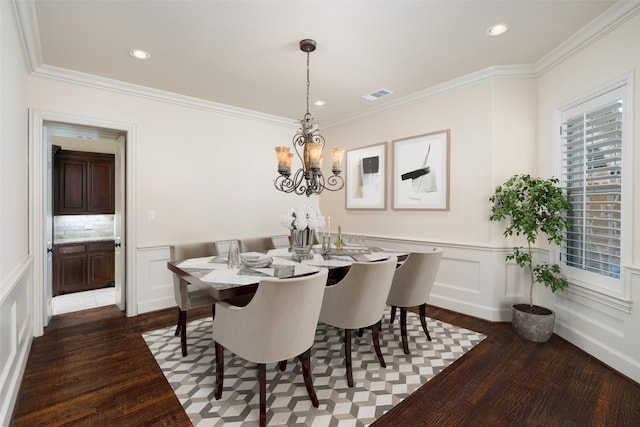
[[212, 275]]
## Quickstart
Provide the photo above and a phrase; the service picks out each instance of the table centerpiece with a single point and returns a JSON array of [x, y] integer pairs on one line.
[[302, 222]]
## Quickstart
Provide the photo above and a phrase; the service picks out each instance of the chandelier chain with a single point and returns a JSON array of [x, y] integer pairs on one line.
[[308, 83]]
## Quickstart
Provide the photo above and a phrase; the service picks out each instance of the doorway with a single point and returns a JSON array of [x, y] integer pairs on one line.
[[87, 185], [42, 126]]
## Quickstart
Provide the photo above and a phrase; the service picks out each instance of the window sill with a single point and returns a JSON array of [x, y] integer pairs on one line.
[[601, 295]]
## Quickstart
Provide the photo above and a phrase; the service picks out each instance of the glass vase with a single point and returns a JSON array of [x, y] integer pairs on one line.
[[301, 242]]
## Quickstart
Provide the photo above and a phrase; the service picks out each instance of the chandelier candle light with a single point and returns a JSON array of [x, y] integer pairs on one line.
[[309, 179]]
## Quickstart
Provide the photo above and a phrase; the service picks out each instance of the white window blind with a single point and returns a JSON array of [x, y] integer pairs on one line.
[[592, 158]]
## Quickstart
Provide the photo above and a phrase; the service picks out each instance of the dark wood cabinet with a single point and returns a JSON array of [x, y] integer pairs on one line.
[[100, 262], [83, 266], [83, 183]]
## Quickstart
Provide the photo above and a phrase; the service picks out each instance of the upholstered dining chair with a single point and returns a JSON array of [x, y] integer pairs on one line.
[[279, 323], [186, 295], [281, 241], [358, 301], [222, 246], [411, 287]]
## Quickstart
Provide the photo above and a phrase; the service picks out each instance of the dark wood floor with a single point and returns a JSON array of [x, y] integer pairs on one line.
[[93, 368]]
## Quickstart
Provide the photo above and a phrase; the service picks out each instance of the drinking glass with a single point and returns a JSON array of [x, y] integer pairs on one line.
[[233, 259]]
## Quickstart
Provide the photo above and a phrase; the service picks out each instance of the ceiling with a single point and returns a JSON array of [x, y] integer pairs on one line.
[[245, 54]]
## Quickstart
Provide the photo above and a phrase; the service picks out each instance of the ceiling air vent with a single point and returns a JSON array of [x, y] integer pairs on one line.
[[377, 95]]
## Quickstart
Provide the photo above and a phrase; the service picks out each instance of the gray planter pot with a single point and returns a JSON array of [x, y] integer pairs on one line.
[[533, 323]]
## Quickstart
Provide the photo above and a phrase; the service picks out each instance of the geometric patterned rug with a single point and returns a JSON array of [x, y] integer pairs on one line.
[[376, 390]]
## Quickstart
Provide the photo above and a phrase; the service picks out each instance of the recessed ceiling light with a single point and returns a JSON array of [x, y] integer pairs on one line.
[[319, 103], [139, 54], [496, 30]]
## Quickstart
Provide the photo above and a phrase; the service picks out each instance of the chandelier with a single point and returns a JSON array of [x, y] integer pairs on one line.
[[308, 144]]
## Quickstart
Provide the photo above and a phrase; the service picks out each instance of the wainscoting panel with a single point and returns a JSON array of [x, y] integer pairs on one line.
[[154, 280], [605, 332], [470, 279], [473, 280], [15, 335]]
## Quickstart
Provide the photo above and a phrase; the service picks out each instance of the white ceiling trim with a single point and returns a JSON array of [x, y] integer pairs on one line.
[[496, 72], [25, 12], [91, 80], [612, 18], [616, 15]]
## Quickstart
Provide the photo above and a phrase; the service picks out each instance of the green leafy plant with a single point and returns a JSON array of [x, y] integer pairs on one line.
[[533, 206]]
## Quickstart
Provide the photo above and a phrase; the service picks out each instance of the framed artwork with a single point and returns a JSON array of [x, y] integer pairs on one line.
[[366, 177], [421, 171]]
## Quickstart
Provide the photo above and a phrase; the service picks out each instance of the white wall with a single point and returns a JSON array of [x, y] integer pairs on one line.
[[205, 174], [16, 262], [468, 113], [593, 322]]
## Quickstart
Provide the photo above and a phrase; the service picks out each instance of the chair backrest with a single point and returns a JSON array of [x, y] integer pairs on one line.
[[255, 244], [280, 320], [281, 241], [359, 299], [222, 246], [414, 279], [185, 251]]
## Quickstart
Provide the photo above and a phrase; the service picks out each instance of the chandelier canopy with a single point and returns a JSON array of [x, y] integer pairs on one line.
[[308, 144]]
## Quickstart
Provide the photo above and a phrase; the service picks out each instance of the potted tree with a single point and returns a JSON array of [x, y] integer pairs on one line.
[[533, 206]]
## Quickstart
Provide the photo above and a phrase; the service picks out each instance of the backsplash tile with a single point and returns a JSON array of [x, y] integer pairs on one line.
[[82, 226]]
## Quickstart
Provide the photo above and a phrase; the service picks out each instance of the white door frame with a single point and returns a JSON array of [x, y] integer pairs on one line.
[[37, 213]]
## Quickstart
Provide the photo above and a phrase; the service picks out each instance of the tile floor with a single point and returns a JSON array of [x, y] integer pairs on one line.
[[83, 300]]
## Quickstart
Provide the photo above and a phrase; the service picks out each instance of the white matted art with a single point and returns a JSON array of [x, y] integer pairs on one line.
[[366, 177], [421, 171]]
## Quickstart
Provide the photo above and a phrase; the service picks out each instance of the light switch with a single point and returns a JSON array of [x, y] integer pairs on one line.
[[151, 214]]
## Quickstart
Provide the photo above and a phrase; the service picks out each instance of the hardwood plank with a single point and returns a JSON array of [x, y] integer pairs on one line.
[[93, 368]]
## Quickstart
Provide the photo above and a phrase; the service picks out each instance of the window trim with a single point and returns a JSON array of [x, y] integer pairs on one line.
[[584, 283]]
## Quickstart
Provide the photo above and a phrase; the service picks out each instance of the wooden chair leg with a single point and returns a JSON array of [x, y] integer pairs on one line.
[[183, 332], [282, 365], [423, 321], [178, 327], [219, 370], [360, 332], [376, 343], [262, 380], [213, 311], [403, 329], [305, 360], [393, 314], [347, 356]]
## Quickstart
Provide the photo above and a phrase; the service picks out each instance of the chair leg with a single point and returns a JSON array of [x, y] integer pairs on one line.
[[213, 311], [360, 332], [262, 380], [178, 327], [282, 365], [183, 332], [423, 312], [219, 370], [403, 329], [305, 360], [347, 356], [376, 343], [393, 314]]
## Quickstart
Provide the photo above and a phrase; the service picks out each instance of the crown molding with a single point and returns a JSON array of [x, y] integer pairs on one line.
[[118, 86], [490, 73], [613, 17], [25, 11], [602, 25]]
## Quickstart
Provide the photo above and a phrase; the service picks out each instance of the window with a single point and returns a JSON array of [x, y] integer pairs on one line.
[[593, 136]]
